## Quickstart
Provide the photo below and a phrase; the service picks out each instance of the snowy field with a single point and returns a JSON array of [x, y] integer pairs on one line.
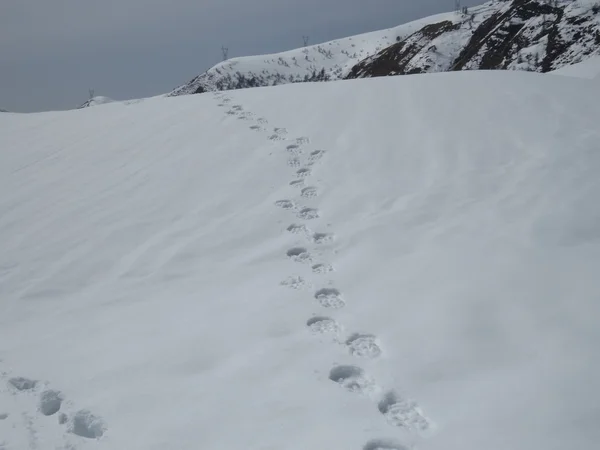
[[391, 263]]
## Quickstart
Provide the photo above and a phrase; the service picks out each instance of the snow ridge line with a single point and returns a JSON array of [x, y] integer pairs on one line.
[[399, 411]]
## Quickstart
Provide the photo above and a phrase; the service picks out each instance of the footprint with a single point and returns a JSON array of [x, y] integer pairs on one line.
[[352, 378], [262, 120], [316, 155], [299, 254], [309, 192], [404, 413], [296, 282], [298, 229], [384, 444], [22, 383], [257, 128], [237, 107], [322, 325], [87, 425], [294, 149], [322, 238], [293, 162], [330, 298], [303, 173], [297, 183], [322, 268], [279, 134], [363, 346], [285, 204], [226, 100], [3, 416], [308, 213], [231, 112], [50, 402], [302, 140], [245, 116]]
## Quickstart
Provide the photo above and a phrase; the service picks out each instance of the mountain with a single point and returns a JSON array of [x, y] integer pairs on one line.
[[516, 35], [95, 101], [389, 263], [329, 61], [3, 110]]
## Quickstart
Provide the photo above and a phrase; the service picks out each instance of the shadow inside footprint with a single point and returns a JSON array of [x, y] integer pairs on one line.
[[285, 204], [322, 238], [384, 444], [308, 213], [322, 325], [340, 374], [22, 383], [86, 425], [298, 254], [330, 298], [363, 345], [404, 413], [50, 402]]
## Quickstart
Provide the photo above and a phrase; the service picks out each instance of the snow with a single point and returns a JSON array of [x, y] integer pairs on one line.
[[590, 69], [336, 57], [165, 286], [98, 100]]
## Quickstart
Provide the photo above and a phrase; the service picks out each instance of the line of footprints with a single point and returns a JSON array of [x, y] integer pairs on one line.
[[36, 410], [398, 410]]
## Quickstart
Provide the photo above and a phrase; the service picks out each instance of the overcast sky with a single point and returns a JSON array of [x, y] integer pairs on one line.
[[53, 51]]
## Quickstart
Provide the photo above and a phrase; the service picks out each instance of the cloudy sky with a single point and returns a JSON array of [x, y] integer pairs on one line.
[[53, 51]]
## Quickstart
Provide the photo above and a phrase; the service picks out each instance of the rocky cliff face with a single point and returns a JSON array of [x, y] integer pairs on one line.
[[519, 35]]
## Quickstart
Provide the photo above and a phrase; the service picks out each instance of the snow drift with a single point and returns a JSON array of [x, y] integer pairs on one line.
[[366, 264]]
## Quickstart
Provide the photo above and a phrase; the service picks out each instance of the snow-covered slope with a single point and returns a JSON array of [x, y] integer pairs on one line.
[[328, 61], [95, 101], [365, 264], [589, 69], [530, 35]]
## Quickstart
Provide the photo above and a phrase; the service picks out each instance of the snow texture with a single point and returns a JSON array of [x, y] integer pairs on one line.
[[589, 69], [155, 295]]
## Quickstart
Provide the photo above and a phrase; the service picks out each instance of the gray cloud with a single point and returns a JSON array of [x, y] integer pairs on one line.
[[52, 51]]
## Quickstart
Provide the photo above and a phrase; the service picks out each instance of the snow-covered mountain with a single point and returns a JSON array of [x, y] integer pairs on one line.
[[3, 110], [328, 61], [375, 264], [514, 35], [533, 35]]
